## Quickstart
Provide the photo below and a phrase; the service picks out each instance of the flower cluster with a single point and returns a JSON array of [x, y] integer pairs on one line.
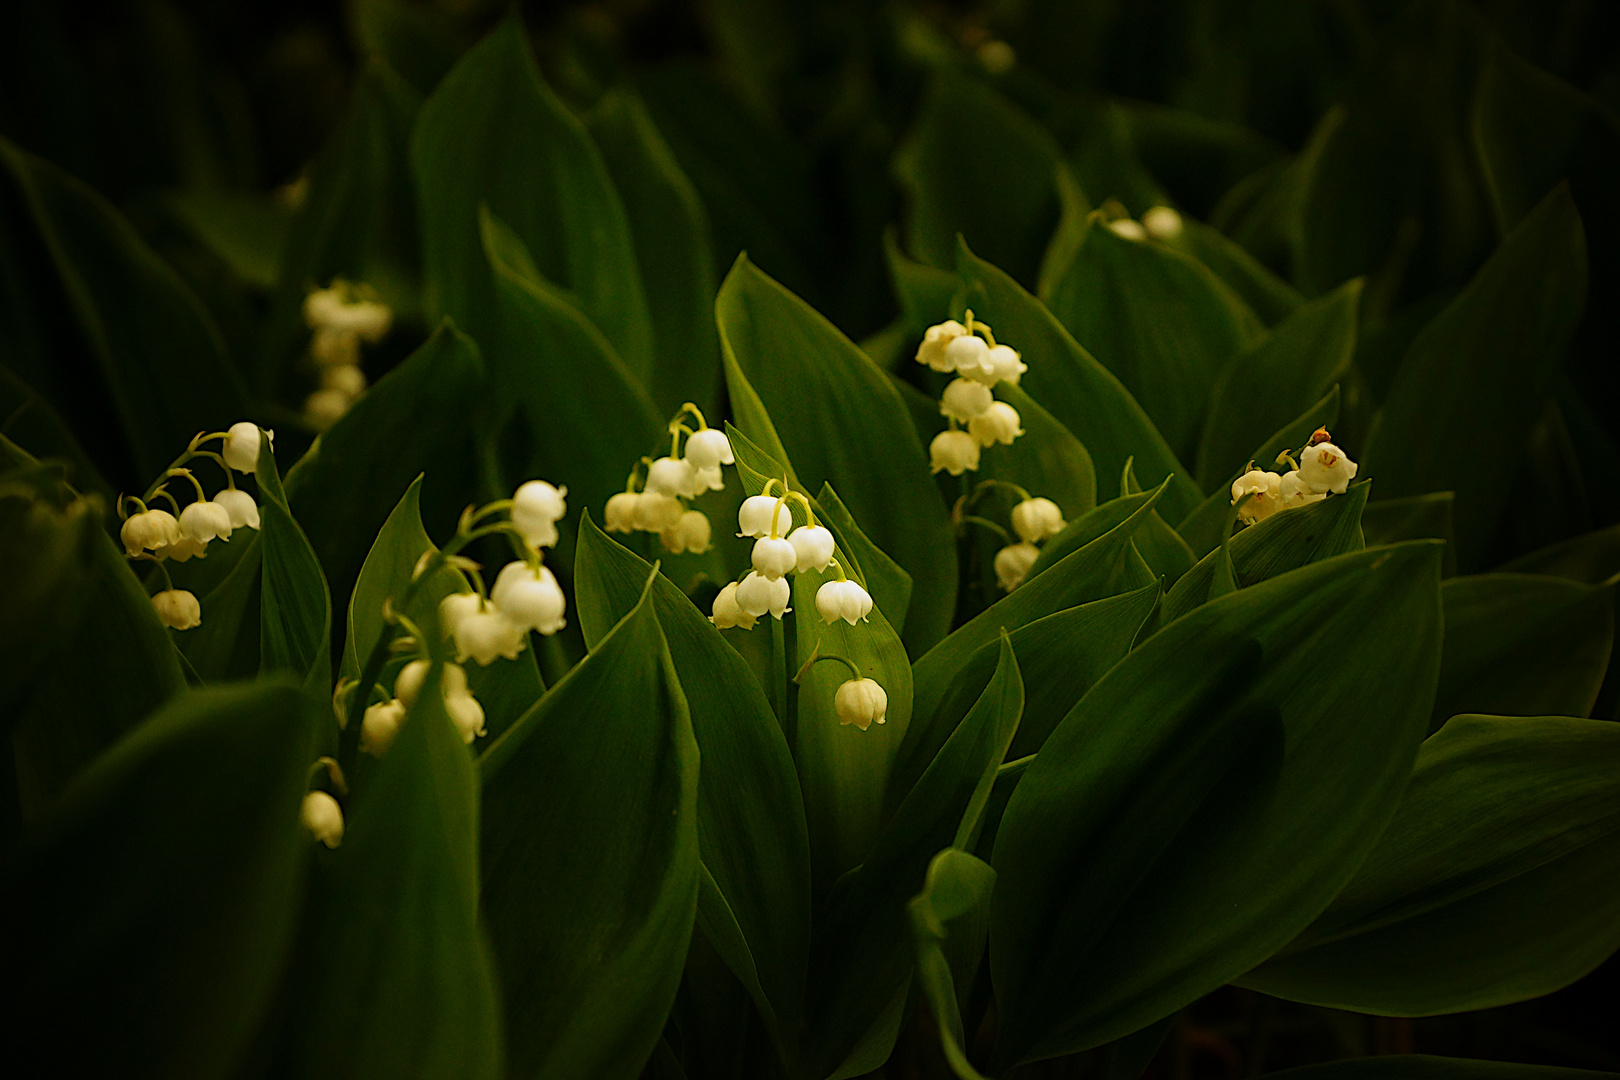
[[1035, 520], [156, 535], [979, 364], [661, 506], [341, 316], [1160, 222], [1320, 469]]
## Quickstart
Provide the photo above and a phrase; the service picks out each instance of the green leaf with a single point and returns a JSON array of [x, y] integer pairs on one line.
[[1415, 517], [1593, 558], [1046, 460], [1485, 364], [1137, 507], [590, 888], [884, 578], [47, 558], [842, 423], [295, 606], [750, 817], [1160, 546], [397, 980], [30, 421], [670, 230], [1277, 379], [1185, 821], [1523, 645], [1160, 321], [161, 895], [1425, 1067], [1080, 393], [1495, 882], [949, 922], [244, 230], [494, 134], [924, 292], [1269, 296]]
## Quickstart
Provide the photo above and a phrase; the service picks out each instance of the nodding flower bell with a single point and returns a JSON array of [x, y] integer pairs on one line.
[[323, 817], [861, 702], [1162, 223], [240, 505], [935, 341], [1326, 468], [814, 545], [620, 512], [727, 613], [1036, 519], [1001, 364], [177, 609], [530, 597], [336, 309], [381, 725], [656, 511], [759, 595], [964, 399], [967, 353], [845, 600], [481, 632], [709, 449], [672, 476], [241, 450], [954, 451], [536, 508], [690, 533], [999, 423], [182, 550], [203, 521], [754, 517], [1294, 491], [459, 703], [710, 479], [773, 556], [149, 530], [1013, 563], [1265, 487]]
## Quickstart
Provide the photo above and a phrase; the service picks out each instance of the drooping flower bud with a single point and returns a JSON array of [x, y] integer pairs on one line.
[[755, 514], [463, 709], [149, 531], [1162, 223], [177, 609], [964, 399], [814, 545], [239, 504], [241, 450], [672, 476], [843, 600], [690, 533], [1326, 468], [953, 451], [1294, 491], [1130, 230], [536, 508], [323, 817], [381, 725], [1036, 519], [1002, 364], [408, 683], [620, 512], [656, 511], [709, 449], [1000, 423], [861, 702], [967, 353], [935, 341], [1013, 563], [759, 595], [488, 634], [530, 597], [204, 521], [773, 556], [727, 613], [1266, 489]]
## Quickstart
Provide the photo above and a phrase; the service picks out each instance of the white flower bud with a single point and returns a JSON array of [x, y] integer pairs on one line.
[[656, 512], [774, 556], [452, 610], [241, 450], [459, 703], [711, 479], [381, 725], [1326, 468], [324, 408], [935, 340], [1013, 563], [182, 550], [861, 702], [953, 451], [485, 635], [1266, 489], [1294, 491], [671, 476], [177, 609], [843, 600], [333, 310], [691, 533], [149, 530], [754, 516], [408, 683], [530, 597], [1128, 229], [759, 595], [1003, 364], [1162, 223], [814, 545], [1000, 423], [727, 613], [204, 521], [346, 379], [466, 713], [620, 512], [709, 449], [967, 353], [536, 508], [239, 504], [333, 348], [964, 399], [1036, 519], [323, 817]]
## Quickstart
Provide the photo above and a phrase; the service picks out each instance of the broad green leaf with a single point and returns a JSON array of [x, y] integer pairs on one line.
[[589, 886], [750, 817], [1485, 364], [842, 423], [949, 921], [924, 292], [1137, 507], [419, 42], [417, 419], [1593, 558], [1523, 645], [1160, 546], [397, 980], [47, 560], [1080, 393], [227, 643], [493, 134], [294, 604], [1425, 1067], [670, 230], [1277, 379], [1047, 459], [1269, 296], [885, 579], [1415, 517], [30, 421], [1185, 821], [244, 230], [161, 894], [1160, 321], [1494, 883]]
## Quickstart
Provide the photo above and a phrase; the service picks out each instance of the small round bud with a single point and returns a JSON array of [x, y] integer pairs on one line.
[[177, 609], [953, 451], [346, 379], [408, 683], [323, 817], [1128, 229], [241, 450], [1162, 223], [1013, 563], [708, 449], [861, 702]]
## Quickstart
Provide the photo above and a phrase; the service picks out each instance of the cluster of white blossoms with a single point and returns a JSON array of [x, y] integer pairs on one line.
[[1035, 520], [1160, 222], [1321, 469], [382, 720], [661, 506], [979, 364], [156, 535], [341, 316]]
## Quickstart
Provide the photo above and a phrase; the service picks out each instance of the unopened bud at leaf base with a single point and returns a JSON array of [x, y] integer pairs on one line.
[[845, 600], [177, 609], [324, 408], [241, 450], [323, 817], [814, 546], [754, 516], [380, 726], [1266, 490], [691, 533], [953, 451], [205, 521], [530, 597], [964, 399], [1036, 519], [620, 512], [536, 508], [1013, 563], [656, 511], [239, 504], [935, 341], [1326, 468], [709, 449], [1162, 223], [1294, 491], [1000, 423], [759, 595], [149, 531], [727, 613], [861, 702], [774, 556], [1130, 230], [967, 353], [671, 476]]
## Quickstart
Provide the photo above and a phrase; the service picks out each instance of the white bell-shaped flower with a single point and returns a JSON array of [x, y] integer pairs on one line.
[[620, 512], [334, 309], [1162, 223], [1326, 468], [935, 341], [203, 521], [1036, 519], [323, 817], [148, 531], [452, 610], [488, 634], [709, 449], [759, 595], [239, 504], [380, 726], [177, 609], [754, 517], [814, 545], [672, 476], [459, 703], [1000, 423], [536, 508], [324, 408], [1002, 364], [861, 702], [466, 714], [182, 550], [964, 399], [1266, 487], [346, 379], [1013, 563], [656, 511], [710, 479], [1130, 230], [967, 353], [953, 451], [727, 613], [408, 683], [241, 449], [530, 597], [690, 533], [1294, 491], [773, 556], [845, 600]]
